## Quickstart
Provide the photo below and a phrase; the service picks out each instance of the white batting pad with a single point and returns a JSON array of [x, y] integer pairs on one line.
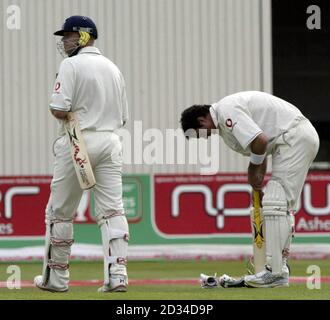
[[115, 235], [278, 225], [59, 238]]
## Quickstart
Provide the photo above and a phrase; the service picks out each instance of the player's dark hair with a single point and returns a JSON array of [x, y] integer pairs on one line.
[[190, 115]]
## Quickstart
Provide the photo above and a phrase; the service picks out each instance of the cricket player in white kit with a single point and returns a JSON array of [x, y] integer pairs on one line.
[[257, 124], [92, 87]]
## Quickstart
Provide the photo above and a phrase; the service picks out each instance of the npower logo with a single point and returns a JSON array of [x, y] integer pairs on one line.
[[195, 206], [220, 211]]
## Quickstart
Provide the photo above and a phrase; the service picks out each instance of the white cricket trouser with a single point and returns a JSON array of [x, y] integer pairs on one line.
[[292, 156], [105, 153]]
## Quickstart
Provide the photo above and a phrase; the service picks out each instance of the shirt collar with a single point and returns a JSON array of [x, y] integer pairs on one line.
[[214, 115], [89, 49]]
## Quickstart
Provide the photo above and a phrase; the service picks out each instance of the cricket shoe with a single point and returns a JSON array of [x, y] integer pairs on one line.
[[118, 283], [38, 282], [265, 279], [226, 281], [208, 282]]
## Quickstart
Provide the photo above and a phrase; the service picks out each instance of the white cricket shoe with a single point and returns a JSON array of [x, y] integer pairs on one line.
[[265, 279], [208, 282], [118, 283], [38, 282]]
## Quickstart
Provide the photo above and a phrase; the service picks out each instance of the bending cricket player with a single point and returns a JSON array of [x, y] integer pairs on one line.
[[257, 124]]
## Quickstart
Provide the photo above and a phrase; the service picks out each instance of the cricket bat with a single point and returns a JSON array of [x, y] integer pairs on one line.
[[79, 153], [258, 233]]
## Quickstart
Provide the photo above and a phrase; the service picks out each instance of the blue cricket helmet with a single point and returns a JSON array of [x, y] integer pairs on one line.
[[76, 24]]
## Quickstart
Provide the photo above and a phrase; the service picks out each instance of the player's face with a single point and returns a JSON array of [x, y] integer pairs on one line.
[[70, 41], [206, 122]]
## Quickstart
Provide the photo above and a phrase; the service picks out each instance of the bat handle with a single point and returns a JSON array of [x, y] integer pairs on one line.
[[257, 196]]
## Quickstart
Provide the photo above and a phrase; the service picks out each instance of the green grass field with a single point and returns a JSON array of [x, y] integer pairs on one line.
[[167, 270]]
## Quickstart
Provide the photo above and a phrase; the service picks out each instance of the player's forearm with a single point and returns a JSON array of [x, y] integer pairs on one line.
[[258, 162], [256, 174], [263, 167]]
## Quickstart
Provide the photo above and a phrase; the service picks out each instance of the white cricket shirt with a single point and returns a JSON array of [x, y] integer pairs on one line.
[[93, 87], [242, 116]]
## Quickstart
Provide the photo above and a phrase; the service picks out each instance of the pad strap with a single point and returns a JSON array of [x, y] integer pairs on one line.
[[57, 265], [102, 218], [61, 242], [117, 260]]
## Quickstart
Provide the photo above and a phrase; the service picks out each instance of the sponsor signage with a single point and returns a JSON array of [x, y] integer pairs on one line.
[[197, 208], [22, 205], [219, 205], [23, 202]]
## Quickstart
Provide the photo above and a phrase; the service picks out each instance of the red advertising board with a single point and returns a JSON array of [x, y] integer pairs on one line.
[[23, 202], [219, 205]]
